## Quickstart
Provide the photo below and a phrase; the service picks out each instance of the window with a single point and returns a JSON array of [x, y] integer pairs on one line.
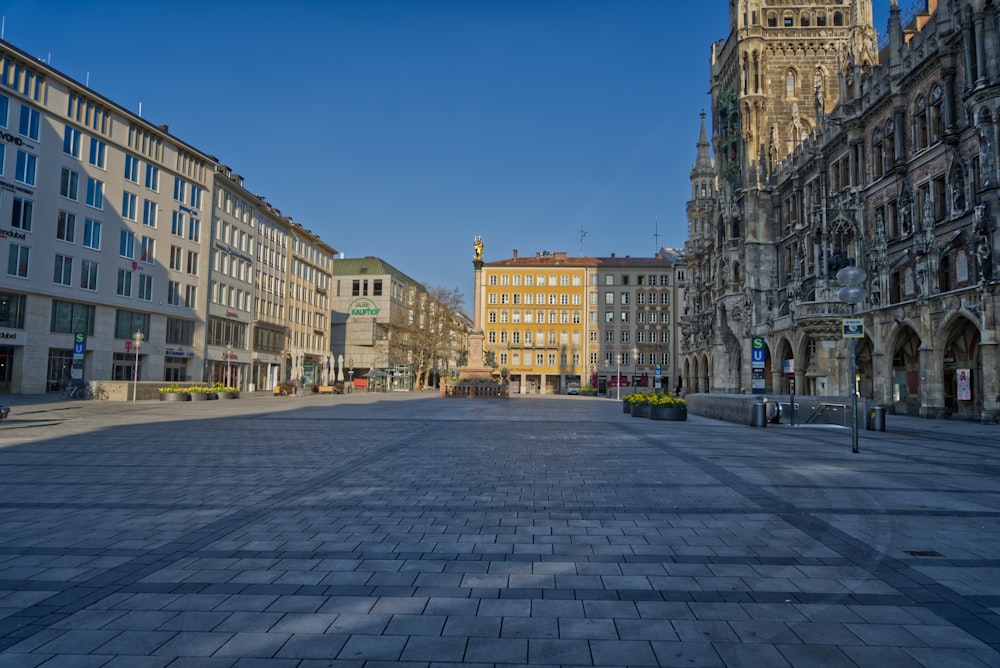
[[625, 336], [194, 229], [153, 177], [66, 226], [191, 297], [146, 251], [180, 332], [30, 119], [21, 213], [195, 197], [98, 150], [69, 184], [624, 299], [95, 193], [665, 298], [92, 234], [71, 142], [88, 275], [192, 263], [131, 168], [126, 244], [124, 288], [177, 224], [127, 323], [624, 316], [24, 169], [17, 261], [71, 318], [609, 298], [63, 274], [176, 258], [128, 205], [173, 293], [149, 213], [145, 287], [377, 288], [180, 187]]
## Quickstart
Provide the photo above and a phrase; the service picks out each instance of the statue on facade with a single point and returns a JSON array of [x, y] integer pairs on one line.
[[984, 249], [477, 245], [985, 154]]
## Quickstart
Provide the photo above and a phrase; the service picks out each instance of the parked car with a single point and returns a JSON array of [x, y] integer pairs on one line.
[[573, 388]]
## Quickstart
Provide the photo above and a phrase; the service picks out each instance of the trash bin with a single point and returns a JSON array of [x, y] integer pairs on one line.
[[878, 419], [759, 415]]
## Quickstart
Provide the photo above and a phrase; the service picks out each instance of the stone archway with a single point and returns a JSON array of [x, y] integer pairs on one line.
[[962, 370], [783, 379], [705, 378], [905, 385]]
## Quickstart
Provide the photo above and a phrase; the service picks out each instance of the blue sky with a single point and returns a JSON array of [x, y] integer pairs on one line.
[[403, 129]]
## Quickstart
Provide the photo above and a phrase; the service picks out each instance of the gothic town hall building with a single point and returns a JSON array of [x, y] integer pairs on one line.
[[828, 149]]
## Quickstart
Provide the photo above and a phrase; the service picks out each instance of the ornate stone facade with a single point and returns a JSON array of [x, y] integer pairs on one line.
[[847, 155]]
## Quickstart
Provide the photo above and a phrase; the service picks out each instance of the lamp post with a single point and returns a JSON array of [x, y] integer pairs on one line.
[[229, 357], [137, 340], [618, 378], [635, 364], [853, 293], [350, 373]]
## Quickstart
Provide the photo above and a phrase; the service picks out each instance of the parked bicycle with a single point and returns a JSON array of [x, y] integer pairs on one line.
[[82, 391]]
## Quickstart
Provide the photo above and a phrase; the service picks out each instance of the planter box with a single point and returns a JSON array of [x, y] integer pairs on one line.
[[668, 413], [228, 395], [175, 396], [199, 396], [640, 410], [626, 407]]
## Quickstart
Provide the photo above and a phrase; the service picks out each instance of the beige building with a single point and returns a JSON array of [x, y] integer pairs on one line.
[[108, 225], [118, 227], [828, 154], [310, 267]]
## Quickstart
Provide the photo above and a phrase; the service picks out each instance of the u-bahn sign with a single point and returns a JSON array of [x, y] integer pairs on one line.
[[362, 306]]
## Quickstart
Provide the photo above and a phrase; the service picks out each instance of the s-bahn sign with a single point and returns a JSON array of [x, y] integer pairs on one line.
[[363, 306]]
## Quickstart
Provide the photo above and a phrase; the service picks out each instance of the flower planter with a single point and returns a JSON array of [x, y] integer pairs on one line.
[[626, 407], [668, 413], [228, 395], [199, 396], [175, 396], [640, 410], [211, 395]]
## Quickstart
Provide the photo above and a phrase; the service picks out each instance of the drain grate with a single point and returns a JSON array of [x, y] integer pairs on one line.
[[923, 553]]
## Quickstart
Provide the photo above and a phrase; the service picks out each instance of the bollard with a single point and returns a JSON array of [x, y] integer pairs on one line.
[[759, 417]]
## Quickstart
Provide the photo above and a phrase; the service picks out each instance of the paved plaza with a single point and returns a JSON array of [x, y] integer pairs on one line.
[[405, 529]]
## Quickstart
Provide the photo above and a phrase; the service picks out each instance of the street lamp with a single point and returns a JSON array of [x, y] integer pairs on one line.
[[635, 363], [137, 340], [229, 356], [853, 293], [350, 373], [618, 378]]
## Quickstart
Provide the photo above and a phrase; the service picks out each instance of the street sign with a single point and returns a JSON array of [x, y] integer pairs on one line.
[[757, 356], [854, 328]]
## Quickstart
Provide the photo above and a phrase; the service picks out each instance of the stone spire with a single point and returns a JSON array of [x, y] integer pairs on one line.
[[703, 164]]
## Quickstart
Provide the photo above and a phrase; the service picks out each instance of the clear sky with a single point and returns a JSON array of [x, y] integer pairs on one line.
[[404, 128]]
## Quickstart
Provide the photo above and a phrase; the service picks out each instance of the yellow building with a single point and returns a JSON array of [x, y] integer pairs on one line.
[[534, 315]]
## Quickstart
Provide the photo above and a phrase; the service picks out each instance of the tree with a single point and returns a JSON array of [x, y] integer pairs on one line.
[[428, 336]]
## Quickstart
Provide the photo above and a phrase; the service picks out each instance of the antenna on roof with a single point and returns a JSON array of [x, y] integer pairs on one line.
[[656, 235], [583, 237]]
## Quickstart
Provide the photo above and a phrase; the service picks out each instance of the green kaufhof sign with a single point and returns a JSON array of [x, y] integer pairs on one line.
[[363, 307]]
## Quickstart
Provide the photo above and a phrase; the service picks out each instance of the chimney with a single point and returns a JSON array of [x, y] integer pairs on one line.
[[612, 256], [515, 253]]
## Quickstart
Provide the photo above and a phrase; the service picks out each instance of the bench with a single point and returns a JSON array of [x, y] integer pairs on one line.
[[331, 389]]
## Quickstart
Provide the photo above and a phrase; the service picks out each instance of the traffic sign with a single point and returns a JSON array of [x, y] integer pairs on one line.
[[854, 328]]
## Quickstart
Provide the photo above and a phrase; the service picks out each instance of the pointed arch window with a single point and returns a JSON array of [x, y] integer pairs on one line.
[[920, 126], [878, 154], [935, 117], [838, 19], [790, 83]]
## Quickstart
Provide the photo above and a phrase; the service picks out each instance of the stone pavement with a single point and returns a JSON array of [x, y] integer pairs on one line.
[[404, 529]]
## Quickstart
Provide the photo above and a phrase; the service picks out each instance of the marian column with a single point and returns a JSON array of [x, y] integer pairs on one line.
[[476, 367]]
